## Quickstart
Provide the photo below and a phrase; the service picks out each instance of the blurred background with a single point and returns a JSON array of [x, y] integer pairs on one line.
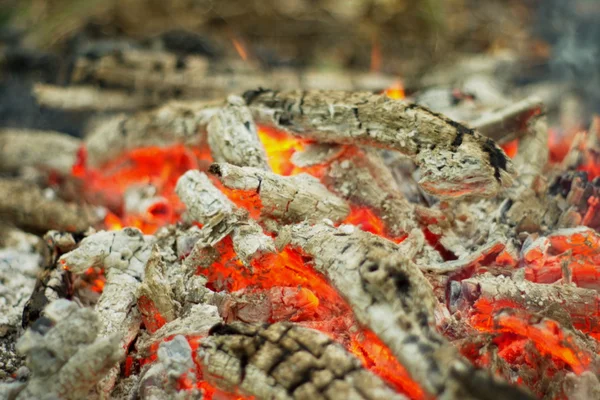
[[241, 43]]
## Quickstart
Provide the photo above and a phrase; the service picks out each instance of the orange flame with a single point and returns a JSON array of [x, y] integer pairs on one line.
[[396, 91], [240, 49]]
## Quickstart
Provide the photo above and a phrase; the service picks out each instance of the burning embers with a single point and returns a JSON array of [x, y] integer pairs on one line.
[[256, 264]]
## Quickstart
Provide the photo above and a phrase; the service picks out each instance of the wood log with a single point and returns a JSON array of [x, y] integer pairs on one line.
[[87, 98], [361, 177], [27, 207], [389, 295], [581, 305], [163, 75], [286, 361], [287, 199], [233, 137], [220, 217], [46, 150], [510, 122], [454, 159], [122, 255]]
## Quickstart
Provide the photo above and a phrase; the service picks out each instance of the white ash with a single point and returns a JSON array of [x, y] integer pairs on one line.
[[233, 136], [64, 353]]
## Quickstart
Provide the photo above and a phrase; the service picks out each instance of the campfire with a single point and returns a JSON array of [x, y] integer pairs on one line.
[[282, 239]]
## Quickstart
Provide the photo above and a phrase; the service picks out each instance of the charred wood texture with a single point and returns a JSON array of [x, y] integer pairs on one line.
[[233, 136], [287, 199], [285, 361], [455, 160], [220, 217], [390, 295], [361, 177]]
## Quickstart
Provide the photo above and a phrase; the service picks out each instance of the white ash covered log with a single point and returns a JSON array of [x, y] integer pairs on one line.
[[287, 199], [122, 255], [285, 361], [390, 295], [454, 160], [45, 150], [220, 217], [233, 136], [361, 177], [30, 208]]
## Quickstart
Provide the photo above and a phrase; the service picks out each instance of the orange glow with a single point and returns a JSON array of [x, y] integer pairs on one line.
[[156, 166], [511, 148], [366, 220], [396, 91], [371, 351], [375, 54], [320, 306], [547, 336], [241, 50]]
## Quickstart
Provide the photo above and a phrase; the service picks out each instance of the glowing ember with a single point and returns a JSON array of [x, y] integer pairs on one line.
[[396, 91]]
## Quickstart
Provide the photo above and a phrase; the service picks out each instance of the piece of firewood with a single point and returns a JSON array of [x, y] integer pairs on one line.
[[170, 124], [122, 255], [286, 361], [163, 75], [28, 207], [455, 160], [361, 177], [390, 295], [233, 137], [582, 305], [220, 217], [510, 122], [86, 98], [287, 199], [46, 150]]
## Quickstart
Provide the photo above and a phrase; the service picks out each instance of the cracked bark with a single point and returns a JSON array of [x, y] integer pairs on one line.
[[362, 178], [392, 297], [220, 217], [285, 361], [287, 199], [454, 160], [233, 137]]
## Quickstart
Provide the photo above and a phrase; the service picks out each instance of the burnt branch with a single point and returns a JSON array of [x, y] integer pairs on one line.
[[286, 361], [26, 206], [286, 198], [390, 295], [510, 122], [46, 150], [454, 159], [86, 98], [362, 178], [220, 217], [233, 137]]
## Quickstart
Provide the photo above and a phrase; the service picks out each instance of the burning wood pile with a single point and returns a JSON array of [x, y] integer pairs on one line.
[[284, 243]]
